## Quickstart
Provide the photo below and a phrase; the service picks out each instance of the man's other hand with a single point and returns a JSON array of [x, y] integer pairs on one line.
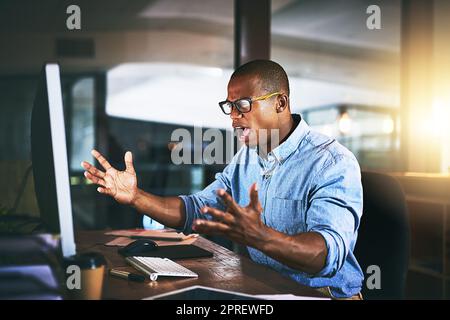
[[240, 224]]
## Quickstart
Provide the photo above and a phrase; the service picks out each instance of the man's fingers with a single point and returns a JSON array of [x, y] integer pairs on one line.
[[233, 207], [106, 191], [95, 179], [210, 227], [254, 199], [92, 170], [129, 162], [219, 215], [103, 162]]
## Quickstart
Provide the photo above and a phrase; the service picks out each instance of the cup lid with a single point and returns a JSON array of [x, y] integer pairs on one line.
[[88, 260]]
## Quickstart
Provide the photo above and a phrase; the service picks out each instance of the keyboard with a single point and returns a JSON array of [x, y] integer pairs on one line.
[[155, 267]]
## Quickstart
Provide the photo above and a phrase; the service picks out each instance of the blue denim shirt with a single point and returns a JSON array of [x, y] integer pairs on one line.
[[309, 183]]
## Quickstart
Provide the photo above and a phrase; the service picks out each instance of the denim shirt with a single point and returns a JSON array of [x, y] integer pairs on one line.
[[309, 183]]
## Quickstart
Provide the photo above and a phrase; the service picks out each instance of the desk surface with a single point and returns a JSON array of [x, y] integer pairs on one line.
[[225, 270]]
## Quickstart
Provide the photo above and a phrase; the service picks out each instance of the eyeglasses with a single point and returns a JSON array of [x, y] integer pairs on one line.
[[244, 104]]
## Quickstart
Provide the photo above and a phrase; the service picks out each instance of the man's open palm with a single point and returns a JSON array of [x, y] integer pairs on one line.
[[121, 185]]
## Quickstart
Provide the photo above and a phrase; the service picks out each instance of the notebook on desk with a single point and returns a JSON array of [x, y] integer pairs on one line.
[[175, 252]]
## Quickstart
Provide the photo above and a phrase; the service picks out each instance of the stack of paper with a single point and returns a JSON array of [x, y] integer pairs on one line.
[[161, 237]]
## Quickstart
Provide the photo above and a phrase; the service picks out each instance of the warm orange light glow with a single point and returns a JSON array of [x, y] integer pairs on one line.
[[345, 123], [440, 119], [388, 126], [441, 130]]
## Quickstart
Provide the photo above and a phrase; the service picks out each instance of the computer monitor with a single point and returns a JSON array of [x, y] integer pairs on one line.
[[49, 157]]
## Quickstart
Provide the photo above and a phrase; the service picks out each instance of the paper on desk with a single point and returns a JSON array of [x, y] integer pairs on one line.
[[119, 242], [124, 241], [286, 297], [159, 234]]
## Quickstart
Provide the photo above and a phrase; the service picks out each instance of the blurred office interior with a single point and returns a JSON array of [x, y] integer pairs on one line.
[[139, 69]]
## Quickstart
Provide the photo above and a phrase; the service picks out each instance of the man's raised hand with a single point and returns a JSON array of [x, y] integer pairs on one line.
[[121, 185]]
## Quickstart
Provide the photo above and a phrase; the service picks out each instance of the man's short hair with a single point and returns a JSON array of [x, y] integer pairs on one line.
[[272, 75]]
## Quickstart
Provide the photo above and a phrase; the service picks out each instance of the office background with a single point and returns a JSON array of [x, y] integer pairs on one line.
[[139, 69]]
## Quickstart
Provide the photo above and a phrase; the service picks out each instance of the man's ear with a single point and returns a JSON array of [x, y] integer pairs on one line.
[[283, 103]]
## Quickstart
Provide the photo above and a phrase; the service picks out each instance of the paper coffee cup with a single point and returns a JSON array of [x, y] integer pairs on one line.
[[85, 276]]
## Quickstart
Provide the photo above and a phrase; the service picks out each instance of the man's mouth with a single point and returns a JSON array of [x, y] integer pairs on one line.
[[243, 133]]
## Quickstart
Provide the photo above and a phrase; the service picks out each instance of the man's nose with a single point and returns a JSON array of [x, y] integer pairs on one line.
[[235, 114]]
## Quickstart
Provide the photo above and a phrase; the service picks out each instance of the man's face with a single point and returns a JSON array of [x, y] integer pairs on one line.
[[263, 113]]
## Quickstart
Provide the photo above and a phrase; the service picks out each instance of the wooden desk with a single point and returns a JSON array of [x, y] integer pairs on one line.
[[226, 270]]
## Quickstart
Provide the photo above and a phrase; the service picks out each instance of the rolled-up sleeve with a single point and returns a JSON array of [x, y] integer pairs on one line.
[[335, 209], [207, 197]]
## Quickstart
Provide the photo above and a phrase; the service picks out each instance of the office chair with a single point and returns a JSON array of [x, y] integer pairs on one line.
[[384, 237]]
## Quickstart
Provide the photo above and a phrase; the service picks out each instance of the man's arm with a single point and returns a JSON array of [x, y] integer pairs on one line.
[[332, 220], [306, 251], [167, 210]]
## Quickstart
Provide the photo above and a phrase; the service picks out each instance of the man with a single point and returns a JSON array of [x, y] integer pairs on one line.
[[296, 206]]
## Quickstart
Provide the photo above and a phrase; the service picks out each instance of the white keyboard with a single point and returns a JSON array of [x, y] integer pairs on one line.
[[155, 267]]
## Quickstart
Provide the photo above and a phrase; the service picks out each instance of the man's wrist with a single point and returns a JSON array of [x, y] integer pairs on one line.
[[271, 240], [135, 202], [265, 238]]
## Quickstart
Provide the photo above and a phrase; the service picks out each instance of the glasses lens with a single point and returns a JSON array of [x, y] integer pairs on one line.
[[243, 105], [226, 107]]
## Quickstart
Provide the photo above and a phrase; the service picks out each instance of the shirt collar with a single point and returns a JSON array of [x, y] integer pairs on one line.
[[285, 149]]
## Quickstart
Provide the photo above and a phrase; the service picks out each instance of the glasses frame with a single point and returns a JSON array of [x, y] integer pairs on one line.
[[250, 100]]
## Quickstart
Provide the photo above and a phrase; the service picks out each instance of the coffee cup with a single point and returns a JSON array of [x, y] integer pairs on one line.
[[84, 276]]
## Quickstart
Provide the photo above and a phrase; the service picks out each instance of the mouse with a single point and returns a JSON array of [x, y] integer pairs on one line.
[[138, 247]]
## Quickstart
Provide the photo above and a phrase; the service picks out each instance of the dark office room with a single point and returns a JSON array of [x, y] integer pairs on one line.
[[265, 150]]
